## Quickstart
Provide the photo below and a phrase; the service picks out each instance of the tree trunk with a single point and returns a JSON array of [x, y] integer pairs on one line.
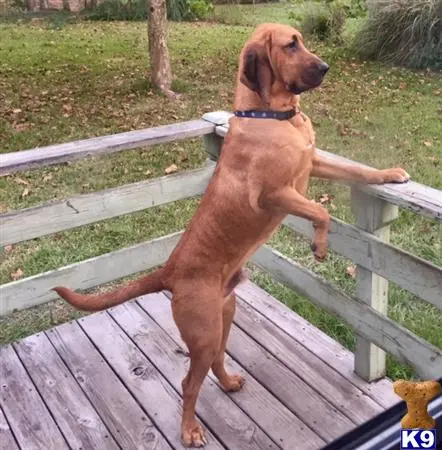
[[158, 52]]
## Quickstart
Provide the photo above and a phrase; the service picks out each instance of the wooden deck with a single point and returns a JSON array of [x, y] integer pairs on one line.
[[112, 380]]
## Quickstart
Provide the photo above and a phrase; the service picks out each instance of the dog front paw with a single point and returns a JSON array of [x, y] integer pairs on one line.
[[395, 175], [319, 252]]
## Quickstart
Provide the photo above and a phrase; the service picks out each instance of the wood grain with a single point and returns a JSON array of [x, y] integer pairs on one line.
[[408, 348], [86, 274], [28, 417], [312, 370], [75, 416], [316, 412], [119, 411], [230, 424], [7, 440], [259, 404], [70, 151], [142, 379], [55, 216], [319, 343]]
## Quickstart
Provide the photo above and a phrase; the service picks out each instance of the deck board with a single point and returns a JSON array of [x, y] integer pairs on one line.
[[313, 371], [125, 419], [139, 375], [261, 406], [231, 425], [79, 423], [7, 440], [28, 416], [319, 343], [118, 374]]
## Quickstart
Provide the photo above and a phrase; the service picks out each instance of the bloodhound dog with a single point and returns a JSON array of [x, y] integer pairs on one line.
[[262, 175]]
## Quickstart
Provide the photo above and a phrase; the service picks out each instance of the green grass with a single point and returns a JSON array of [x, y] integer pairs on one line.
[[91, 79]]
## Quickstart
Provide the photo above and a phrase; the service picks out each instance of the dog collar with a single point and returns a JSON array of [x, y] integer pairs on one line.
[[269, 114]]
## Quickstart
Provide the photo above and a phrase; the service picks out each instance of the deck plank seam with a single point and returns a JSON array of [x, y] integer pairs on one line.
[[168, 296], [212, 377], [13, 346], [81, 388], [123, 383], [365, 394], [2, 411], [201, 418], [328, 402], [303, 378]]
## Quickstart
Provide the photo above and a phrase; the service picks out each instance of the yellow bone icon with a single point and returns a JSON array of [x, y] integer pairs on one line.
[[417, 395]]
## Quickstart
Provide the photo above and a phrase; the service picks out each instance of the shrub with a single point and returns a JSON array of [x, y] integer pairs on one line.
[[323, 21], [402, 32], [177, 10]]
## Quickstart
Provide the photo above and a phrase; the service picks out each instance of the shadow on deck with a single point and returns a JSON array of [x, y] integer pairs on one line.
[[113, 380]]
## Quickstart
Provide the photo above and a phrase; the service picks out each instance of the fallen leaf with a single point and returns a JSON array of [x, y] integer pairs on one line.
[[25, 193], [183, 156], [402, 85], [16, 111], [326, 198], [47, 177], [17, 274], [171, 169], [351, 271], [428, 143], [8, 248], [148, 172], [19, 180]]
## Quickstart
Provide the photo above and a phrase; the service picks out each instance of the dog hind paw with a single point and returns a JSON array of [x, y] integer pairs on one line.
[[193, 436]]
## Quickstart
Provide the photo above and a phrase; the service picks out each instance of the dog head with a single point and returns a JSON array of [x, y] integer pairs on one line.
[[276, 53]]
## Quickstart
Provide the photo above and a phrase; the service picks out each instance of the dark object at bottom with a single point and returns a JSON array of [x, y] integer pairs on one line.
[[383, 431]]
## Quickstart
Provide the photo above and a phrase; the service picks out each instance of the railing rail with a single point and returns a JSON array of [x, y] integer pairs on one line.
[[366, 243]]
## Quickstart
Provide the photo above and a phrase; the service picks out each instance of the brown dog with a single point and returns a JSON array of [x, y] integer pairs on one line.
[[262, 176]]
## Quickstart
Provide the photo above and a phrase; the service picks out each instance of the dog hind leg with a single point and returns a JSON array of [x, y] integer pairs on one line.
[[199, 320], [230, 383]]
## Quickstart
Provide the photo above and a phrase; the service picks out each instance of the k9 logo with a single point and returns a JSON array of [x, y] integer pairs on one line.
[[420, 439]]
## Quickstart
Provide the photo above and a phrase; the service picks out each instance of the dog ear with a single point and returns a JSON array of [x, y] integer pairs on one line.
[[257, 73]]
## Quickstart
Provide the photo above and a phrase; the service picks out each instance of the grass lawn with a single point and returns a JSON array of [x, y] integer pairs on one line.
[[91, 79]]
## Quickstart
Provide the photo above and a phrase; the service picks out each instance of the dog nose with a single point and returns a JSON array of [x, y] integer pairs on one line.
[[323, 68]]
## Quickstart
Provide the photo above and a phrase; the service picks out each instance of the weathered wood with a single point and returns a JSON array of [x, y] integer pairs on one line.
[[319, 343], [228, 422], [7, 439], [28, 417], [119, 411], [316, 412], [413, 196], [140, 377], [51, 217], [86, 274], [334, 387], [258, 403], [408, 271], [374, 216], [70, 151], [408, 348], [77, 419], [212, 142]]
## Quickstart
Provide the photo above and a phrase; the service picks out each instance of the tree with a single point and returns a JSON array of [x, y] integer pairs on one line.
[[158, 51]]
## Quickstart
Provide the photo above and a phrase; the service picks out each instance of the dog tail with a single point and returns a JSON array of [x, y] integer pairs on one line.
[[144, 285]]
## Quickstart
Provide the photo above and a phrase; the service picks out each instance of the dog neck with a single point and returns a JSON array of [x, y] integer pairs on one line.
[[281, 99]]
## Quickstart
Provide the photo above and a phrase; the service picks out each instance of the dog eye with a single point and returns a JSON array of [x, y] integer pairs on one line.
[[292, 45]]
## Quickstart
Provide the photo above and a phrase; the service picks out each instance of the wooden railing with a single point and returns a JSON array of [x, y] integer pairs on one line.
[[366, 242]]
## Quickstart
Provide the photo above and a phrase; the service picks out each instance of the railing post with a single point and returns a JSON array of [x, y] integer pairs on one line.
[[373, 215], [212, 142]]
